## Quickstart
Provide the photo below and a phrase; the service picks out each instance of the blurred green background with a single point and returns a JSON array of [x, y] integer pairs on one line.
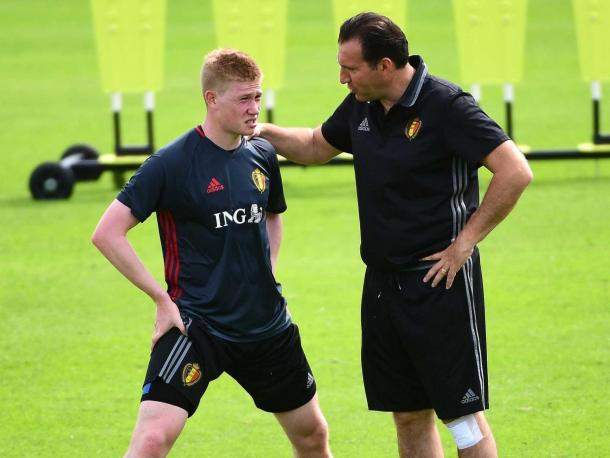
[[75, 334]]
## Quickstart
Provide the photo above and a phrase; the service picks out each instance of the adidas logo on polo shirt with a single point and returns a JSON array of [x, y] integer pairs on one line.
[[470, 396], [215, 186], [364, 125], [309, 380]]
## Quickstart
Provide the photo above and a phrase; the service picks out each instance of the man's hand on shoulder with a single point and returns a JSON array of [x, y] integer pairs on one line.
[[259, 130], [297, 144]]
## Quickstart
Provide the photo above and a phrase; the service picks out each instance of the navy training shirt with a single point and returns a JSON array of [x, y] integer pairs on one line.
[[211, 209], [416, 167]]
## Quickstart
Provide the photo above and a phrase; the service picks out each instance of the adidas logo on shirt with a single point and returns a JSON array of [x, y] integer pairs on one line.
[[470, 396], [215, 186], [364, 125], [309, 380]]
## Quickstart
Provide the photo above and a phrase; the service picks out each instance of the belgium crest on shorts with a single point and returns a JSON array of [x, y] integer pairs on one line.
[[258, 178], [191, 374]]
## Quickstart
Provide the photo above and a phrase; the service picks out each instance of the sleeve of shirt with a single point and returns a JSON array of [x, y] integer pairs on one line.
[[336, 130], [468, 131], [276, 202], [142, 193]]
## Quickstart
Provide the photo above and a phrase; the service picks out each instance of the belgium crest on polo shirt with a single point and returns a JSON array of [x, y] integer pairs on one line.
[[258, 178], [412, 128]]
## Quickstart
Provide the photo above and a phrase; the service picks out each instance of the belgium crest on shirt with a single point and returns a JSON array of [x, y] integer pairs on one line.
[[412, 128], [258, 178]]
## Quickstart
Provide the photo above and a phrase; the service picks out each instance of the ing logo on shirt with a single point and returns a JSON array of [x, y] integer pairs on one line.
[[412, 128], [239, 216], [258, 178]]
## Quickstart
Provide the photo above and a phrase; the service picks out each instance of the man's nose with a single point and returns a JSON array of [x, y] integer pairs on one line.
[[254, 107], [344, 77]]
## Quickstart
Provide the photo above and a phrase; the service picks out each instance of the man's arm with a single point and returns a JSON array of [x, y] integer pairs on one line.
[[110, 237], [274, 232], [298, 144], [511, 175]]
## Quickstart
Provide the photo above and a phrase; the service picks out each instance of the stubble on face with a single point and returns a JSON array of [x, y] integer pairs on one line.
[[355, 72]]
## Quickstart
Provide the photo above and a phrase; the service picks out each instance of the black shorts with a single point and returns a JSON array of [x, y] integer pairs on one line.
[[424, 347], [274, 371]]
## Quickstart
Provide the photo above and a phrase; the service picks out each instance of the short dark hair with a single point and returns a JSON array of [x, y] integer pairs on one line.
[[379, 38]]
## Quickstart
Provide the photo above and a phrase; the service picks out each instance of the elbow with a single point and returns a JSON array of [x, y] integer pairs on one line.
[[515, 180], [99, 240], [526, 176], [520, 176], [320, 161], [310, 161], [96, 239], [304, 161], [320, 158]]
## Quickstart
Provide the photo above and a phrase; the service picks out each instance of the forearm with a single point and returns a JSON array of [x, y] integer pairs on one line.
[[501, 197], [119, 252], [110, 237], [511, 175], [274, 234], [298, 144]]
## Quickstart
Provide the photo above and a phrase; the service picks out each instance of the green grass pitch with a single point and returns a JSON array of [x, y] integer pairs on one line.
[[75, 335]]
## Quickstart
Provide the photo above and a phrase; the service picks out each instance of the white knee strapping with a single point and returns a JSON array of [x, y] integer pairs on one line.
[[465, 431]]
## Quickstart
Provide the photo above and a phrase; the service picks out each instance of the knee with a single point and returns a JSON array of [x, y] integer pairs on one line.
[[417, 419], [415, 425], [152, 443], [318, 435], [314, 438]]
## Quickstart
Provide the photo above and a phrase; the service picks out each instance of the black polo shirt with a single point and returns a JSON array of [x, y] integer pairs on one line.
[[211, 209], [416, 166]]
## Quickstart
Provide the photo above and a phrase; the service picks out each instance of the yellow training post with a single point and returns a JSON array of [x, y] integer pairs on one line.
[[130, 35], [261, 33], [491, 42], [130, 38], [592, 19], [394, 9], [593, 36]]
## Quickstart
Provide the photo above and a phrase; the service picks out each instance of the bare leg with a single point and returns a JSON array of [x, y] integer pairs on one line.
[[417, 434], [156, 430], [307, 430], [486, 447]]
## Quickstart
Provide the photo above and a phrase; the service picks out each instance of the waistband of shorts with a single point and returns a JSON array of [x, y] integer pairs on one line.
[[421, 265]]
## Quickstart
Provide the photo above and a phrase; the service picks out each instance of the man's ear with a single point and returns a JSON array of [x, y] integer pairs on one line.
[[210, 97], [386, 64]]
